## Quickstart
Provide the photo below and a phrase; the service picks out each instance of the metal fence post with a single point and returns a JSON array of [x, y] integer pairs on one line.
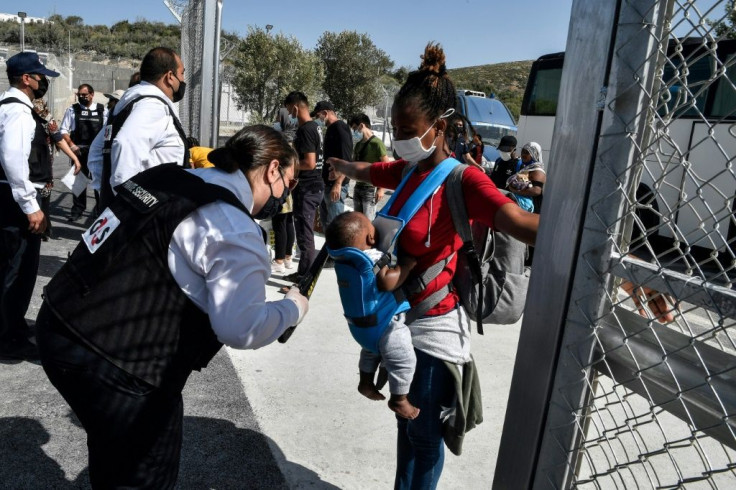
[[200, 52], [537, 445]]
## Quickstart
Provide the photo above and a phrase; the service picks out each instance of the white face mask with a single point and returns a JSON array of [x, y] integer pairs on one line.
[[412, 149], [505, 155]]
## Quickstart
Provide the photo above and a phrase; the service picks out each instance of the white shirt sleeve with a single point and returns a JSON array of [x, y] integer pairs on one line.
[[67, 122], [16, 134], [220, 261]]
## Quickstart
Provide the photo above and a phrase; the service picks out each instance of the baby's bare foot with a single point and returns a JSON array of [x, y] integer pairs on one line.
[[367, 387], [401, 405]]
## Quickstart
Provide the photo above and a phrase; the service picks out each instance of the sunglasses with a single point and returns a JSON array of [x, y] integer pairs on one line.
[[292, 182]]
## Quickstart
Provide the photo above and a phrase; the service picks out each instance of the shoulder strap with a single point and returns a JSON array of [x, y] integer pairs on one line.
[[119, 119], [460, 220], [14, 100], [114, 124], [170, 177], [423, 191], [363, 148]]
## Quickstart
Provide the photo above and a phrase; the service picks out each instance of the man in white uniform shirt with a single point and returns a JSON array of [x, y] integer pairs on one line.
[[151, 134], [24, 167], [81, 123]]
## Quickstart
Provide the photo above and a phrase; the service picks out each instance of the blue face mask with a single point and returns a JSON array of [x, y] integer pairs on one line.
[[320, 122], [357, 136]]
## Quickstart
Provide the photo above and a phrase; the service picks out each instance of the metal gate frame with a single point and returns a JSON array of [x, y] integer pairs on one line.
[[604, 123], [200, 109]]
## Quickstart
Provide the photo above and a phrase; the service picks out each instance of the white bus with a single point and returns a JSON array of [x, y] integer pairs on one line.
[[695, 181]]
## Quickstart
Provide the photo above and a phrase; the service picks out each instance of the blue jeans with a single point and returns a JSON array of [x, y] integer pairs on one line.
[[364, 201], [328, 210], [420, 448]]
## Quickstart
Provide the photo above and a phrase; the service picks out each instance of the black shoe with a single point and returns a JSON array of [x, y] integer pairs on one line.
[[293, 277], [19, 349], [74, 217]]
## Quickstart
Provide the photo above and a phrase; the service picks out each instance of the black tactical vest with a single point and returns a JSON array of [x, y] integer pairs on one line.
[[116, 291], [87, 123], [39, 160]]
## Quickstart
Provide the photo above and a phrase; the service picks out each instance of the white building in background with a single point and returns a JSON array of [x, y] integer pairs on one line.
[[29, 20], [231, 118]]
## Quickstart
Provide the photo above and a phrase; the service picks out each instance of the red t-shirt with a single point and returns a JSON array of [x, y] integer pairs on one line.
[[482, 200]]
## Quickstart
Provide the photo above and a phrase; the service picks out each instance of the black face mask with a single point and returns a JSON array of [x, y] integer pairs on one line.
[[272, 207], [43, 86], [179, 94]]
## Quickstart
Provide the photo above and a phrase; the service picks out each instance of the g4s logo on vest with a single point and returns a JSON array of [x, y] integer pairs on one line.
[[100, 230]]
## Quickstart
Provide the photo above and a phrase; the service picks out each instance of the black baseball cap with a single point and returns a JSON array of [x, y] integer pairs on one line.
[[27, 62], [322, 105], [507, 143]]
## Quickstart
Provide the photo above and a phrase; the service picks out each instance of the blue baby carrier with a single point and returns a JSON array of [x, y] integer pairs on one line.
[[368, 310]]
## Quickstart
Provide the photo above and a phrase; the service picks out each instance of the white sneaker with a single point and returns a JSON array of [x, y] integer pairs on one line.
[[288, 264], [277, 268]]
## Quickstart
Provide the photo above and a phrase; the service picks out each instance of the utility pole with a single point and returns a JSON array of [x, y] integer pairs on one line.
[[22, 16]]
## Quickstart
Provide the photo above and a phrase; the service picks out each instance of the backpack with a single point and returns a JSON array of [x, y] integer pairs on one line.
[[491, 278], [368, 310]]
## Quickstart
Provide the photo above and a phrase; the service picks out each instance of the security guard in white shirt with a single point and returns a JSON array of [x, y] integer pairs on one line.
[[171, 270], [24, 167], [79, 126], [143, 131]]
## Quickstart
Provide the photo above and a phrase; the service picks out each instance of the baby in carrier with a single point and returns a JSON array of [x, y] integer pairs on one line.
[[354, 229]]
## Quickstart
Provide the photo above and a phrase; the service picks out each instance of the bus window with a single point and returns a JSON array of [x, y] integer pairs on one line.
[[724, 102], [683, 85], [543, 97]]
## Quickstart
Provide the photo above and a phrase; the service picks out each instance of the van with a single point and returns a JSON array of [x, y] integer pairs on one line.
[[490, 118]]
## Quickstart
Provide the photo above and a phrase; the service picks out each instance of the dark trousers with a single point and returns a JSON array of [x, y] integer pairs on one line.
[[79, 203], [134, 430], [45, 203], [19, 256], [306, 201], [283, 234]]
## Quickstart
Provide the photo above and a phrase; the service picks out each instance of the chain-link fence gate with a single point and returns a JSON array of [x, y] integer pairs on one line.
[[640, 191]]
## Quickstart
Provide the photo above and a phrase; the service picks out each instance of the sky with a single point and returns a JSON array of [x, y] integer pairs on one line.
[[472, 32]]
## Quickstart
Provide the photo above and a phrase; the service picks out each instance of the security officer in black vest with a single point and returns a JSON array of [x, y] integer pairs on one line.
[[81, 123], [24, 168], [173, 269]]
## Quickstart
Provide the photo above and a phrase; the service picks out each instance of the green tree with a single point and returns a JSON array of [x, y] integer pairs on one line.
[[266, 68], [353, 69], [401, 74], [74, 21], [726, 26]]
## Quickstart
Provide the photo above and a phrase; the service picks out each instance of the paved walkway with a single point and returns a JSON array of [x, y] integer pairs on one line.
[[285, 416]]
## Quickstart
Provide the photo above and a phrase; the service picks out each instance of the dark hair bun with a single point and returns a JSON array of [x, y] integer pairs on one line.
[[433, 59], [224, 159]]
